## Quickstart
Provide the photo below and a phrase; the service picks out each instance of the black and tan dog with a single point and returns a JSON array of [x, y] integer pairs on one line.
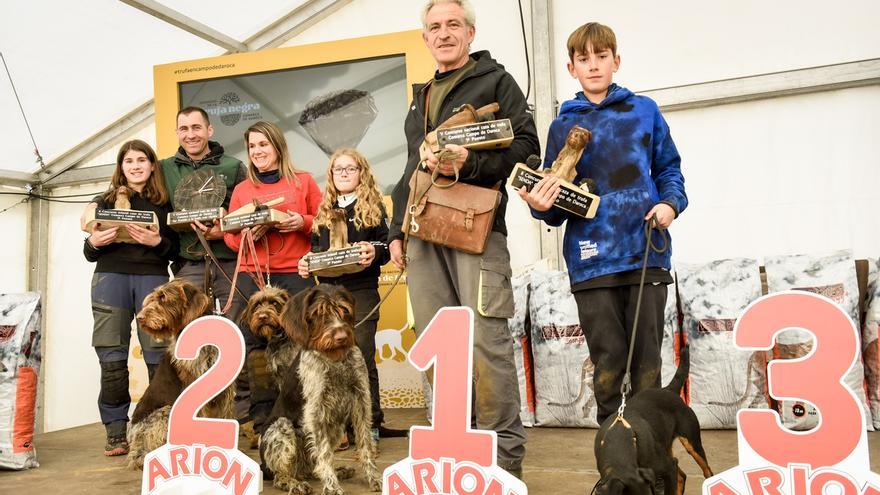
[[633, 451], [324, 389], [166, 312]]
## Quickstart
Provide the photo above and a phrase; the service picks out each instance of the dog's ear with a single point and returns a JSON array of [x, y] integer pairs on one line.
[[646, 481], [246, 314], [611, 486], [196, 301], [346, 298], [294, 318]]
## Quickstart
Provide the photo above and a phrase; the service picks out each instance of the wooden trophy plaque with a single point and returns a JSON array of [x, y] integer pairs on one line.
[[342, 257], [109, 218], [253, 214], [336, 262], [467, 128], [198, 198], [574, 199]]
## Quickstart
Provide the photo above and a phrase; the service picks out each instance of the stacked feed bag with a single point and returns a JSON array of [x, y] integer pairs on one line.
[[19, 368], [723, 379], [522, 347], [870, 331], [563, 370], [832, 275], [671, 344]]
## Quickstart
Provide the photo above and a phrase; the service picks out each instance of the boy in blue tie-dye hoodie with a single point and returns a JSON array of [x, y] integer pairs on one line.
[[636, 168]]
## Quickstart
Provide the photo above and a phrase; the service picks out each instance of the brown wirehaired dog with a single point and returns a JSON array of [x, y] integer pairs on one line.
[[325, 388], [263, 316], [165, 313]]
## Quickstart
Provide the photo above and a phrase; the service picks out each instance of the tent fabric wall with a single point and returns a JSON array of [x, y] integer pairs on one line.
[[782, 175]]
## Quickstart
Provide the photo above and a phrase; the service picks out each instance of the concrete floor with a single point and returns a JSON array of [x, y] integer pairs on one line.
[[559, 461]]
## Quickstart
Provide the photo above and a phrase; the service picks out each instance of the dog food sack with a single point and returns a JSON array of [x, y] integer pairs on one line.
[[19, 368], [870, 330], [833, 276], [563, 370], [723, 379], [522, 348], [669, 348]]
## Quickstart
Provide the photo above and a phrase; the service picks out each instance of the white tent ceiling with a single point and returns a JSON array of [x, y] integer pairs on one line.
[[79, 66]]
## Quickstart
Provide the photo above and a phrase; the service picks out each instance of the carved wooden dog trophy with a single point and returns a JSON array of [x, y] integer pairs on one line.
[[120, 215], [341, 258], [575, 199]]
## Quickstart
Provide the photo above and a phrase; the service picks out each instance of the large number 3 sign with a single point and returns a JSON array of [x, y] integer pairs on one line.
[[774, 459]]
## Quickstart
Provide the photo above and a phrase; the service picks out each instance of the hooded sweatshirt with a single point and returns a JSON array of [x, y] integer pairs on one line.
[[635, 165]]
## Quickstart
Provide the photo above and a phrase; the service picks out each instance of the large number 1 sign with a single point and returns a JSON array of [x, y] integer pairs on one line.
[[775, 460], [450, 457]]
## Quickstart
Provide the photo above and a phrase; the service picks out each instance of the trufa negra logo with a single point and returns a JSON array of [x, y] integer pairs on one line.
[[231, 109]]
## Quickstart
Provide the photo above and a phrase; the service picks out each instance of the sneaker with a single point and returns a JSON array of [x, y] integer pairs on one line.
[[116, 446], [374, 432]]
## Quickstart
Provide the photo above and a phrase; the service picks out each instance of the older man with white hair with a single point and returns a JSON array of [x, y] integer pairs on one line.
[[440, 276]]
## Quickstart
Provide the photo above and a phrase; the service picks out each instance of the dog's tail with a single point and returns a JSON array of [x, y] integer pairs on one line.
[[681, 374]]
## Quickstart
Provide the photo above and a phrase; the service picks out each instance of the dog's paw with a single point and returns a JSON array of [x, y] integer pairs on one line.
[[333, 490], [299, 488], [345, 473], [375, 485]]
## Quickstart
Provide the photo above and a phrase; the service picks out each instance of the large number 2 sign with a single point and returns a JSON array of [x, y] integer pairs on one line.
[[201, 455], [183, 426], [775, 460]]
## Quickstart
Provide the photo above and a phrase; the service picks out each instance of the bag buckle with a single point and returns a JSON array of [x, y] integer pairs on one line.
[[469, 220], [413, 225]]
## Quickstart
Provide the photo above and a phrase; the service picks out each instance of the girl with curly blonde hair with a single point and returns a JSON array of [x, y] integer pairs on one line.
[[352, 188]]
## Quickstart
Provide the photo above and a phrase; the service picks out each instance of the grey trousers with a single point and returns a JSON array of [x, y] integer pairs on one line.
[[194, 271], [438, 276]]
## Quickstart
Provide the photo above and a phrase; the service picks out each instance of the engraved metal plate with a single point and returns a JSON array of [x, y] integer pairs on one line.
[[125, 216], [481, 135], [180, 220], [264, 216]]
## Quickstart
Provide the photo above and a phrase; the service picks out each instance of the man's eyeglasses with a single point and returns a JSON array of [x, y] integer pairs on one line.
[[347, 170]]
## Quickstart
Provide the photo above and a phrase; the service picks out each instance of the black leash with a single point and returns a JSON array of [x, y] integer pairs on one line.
[[650, 224], [388, 293]]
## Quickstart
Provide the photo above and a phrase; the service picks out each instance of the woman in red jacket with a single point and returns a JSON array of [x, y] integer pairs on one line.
[[271, 175]]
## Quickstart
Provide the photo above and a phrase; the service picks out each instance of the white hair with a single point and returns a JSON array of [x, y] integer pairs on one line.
[[470, 17]]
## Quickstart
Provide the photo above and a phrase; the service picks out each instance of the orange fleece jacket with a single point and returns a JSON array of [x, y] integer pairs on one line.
[[285, 249]]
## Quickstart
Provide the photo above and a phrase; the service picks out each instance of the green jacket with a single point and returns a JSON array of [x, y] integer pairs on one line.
[[230, 168]]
